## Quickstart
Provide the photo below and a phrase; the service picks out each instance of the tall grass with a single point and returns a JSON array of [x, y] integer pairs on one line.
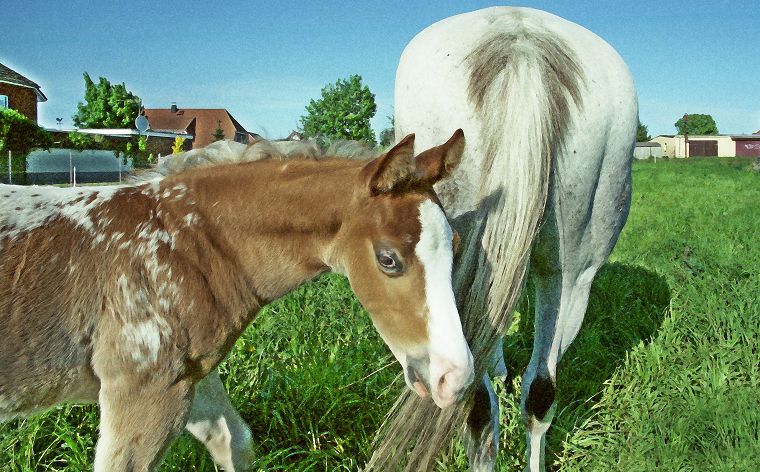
[[688, 399], [663, 376]]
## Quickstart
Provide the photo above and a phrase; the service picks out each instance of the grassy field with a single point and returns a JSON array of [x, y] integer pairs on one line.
[[664, 375]]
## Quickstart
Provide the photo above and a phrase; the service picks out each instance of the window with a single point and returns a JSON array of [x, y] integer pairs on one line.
[[3, 101], [241, 138]]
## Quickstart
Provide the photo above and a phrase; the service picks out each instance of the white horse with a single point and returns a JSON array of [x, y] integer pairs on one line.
[[550, 114]]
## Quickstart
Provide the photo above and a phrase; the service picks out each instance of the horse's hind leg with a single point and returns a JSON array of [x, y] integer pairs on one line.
[[562, 279], [138, 421], [214, 421], [569, 250], [481, 431], [539, 380]]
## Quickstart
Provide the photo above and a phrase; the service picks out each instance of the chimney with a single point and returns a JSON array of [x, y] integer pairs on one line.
[[174, 107]]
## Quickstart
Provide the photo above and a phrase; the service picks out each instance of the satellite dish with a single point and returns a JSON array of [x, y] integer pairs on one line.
[[141, 123]]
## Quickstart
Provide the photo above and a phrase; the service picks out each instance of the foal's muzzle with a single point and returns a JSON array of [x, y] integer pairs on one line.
[[444, 382], [416, 377]]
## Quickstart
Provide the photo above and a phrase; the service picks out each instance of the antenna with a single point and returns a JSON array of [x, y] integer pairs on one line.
[[141, 122]]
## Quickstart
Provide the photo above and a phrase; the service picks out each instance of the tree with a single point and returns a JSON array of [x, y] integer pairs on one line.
[[698, 124], [108, 106], [642, 133], [387, 136], [19, 135], [218, 132], [343, 112]]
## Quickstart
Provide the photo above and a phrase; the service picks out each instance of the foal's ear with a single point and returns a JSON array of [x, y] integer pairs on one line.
[[399, 170], [394, 169], [439, 162]]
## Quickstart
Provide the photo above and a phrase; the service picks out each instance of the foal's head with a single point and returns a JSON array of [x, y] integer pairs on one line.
[[397, 249]]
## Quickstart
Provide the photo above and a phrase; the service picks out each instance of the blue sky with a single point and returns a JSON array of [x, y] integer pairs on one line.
[[263, 61]]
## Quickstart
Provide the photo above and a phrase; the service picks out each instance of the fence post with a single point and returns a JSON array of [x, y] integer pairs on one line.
[[10, 179]]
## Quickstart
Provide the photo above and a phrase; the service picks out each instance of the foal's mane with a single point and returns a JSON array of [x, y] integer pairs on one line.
[[230, 152]]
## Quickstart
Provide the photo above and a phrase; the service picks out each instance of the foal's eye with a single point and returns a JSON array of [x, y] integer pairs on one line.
[[389, 262]]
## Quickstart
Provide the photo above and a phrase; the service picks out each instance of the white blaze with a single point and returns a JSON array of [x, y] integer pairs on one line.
[[448, 348]]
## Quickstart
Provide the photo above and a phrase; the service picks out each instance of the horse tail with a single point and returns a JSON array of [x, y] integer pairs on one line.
[[525, 88]]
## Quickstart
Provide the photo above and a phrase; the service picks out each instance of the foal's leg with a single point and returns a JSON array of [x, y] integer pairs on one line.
[[138, 421], [214, 421]]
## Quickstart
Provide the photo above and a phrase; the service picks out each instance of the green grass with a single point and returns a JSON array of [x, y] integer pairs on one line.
[[688, 399], [663, 376]]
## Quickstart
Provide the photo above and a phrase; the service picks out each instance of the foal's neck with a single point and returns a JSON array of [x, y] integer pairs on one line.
[[274, 221]]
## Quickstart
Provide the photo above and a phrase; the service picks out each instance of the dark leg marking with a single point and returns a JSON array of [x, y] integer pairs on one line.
[[540, 397], [508, 380], [480, 415]]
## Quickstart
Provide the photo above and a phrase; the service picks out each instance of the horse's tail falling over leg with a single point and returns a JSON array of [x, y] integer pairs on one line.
[[524, 87]]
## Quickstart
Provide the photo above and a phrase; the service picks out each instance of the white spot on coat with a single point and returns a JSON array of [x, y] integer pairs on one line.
[[143, 340], [30, 212]]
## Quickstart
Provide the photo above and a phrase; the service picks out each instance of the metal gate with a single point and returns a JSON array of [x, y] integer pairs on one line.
[[703, 148]]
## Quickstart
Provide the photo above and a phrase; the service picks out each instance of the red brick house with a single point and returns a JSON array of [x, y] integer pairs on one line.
[[19, 93], [199, 122]]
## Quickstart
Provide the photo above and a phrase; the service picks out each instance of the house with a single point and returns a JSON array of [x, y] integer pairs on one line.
[[724, 145], [19, 93], [747, 145], [202, 123], [294, 136]]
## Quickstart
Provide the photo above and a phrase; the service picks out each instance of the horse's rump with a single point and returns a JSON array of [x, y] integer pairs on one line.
[[522, 84]]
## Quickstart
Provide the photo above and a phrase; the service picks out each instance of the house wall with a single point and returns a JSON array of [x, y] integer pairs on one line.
[[645, 152], [667, 144], [726, 146], [676, 146], [21, 99]]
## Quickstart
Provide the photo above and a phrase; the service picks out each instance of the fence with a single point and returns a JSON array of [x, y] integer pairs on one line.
[[51, 178], [58, 166]]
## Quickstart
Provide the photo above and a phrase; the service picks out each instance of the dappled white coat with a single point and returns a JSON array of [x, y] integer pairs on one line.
[[549, 113]]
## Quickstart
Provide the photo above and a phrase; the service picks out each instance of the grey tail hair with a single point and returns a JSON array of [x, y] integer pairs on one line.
[[525, 87]]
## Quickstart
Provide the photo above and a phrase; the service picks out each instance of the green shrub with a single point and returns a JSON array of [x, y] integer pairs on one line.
[[19, 135]]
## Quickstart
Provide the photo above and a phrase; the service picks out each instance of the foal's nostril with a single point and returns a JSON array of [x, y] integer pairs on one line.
[[442, 380], [453, 382]]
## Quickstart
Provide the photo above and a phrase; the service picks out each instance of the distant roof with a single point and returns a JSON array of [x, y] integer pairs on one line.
[[732, 136], [294, 136], [200, 122], [10, 76], [120, 132]]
